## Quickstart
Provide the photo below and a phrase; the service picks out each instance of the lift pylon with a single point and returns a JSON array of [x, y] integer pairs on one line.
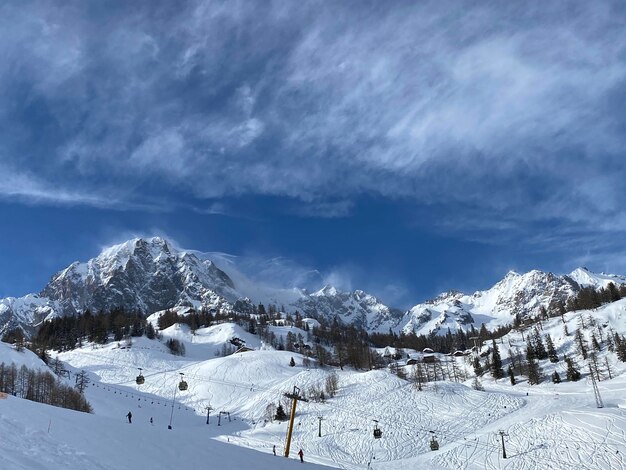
[[295, 397]]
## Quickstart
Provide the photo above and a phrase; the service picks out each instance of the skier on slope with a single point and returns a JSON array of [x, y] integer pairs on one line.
[[130, 417], [301, 454]]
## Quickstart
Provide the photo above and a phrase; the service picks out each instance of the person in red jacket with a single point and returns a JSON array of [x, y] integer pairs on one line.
[[301, 454]]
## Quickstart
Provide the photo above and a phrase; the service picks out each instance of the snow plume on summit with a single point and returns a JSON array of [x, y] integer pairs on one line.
[[145, 275]]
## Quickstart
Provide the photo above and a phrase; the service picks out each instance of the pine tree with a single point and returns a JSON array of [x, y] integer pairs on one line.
[[539, 348], [593, 365], [534, 372], [552, 355], [82, 380], [150, 332], [511, 375], [556, 378], [595, 343], [610, 344], [483, 334], [496, 362], [280, 413], [581, 343], [608, 367], [573, 374]]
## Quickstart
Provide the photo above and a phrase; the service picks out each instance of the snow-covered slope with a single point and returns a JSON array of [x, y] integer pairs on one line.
[[586, 278], [36, 436], [549, 425], [25, 357]]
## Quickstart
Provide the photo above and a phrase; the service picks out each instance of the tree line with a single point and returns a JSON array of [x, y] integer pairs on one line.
[[67, 333], [330, 342], [40, 386]]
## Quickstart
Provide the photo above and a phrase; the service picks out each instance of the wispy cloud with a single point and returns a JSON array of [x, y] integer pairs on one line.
[[30, 189], [512, 113]]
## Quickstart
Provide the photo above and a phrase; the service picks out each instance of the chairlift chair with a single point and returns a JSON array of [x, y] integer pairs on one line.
[[434, 445]]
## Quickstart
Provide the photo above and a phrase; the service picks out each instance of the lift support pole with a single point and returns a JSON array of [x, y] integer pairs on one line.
[[502, 434], [295, 396]]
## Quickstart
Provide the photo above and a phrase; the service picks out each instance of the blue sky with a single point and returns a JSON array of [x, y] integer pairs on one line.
[[404, 148]]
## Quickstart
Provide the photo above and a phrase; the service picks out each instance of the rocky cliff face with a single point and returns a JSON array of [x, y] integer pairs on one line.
[[356, 307], [146, 275]]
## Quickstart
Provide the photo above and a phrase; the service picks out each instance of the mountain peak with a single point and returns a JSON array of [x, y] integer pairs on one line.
[[327, 290], [155, 245], [586, 278]]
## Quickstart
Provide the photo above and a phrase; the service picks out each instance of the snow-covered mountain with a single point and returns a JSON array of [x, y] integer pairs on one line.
[[24, 312], [146, 275], [516, 294], [356, 307], [150, 275], [142, 274]]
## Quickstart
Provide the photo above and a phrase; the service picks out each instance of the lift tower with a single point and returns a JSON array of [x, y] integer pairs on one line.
[[295, 397]]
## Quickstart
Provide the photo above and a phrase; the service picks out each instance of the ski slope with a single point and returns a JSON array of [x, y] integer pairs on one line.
[[42, 437], [549, 425]]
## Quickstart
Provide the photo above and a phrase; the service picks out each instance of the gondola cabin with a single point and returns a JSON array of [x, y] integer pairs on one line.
[[182, 386], [378, 433], [140, 379]]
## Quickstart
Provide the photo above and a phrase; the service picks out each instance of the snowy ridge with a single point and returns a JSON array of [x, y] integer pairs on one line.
[[150, 275], [516, 294], [356, 307], [586, 278], [25, 312]]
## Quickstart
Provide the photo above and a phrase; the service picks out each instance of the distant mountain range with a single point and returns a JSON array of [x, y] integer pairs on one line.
[[149, 274]]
